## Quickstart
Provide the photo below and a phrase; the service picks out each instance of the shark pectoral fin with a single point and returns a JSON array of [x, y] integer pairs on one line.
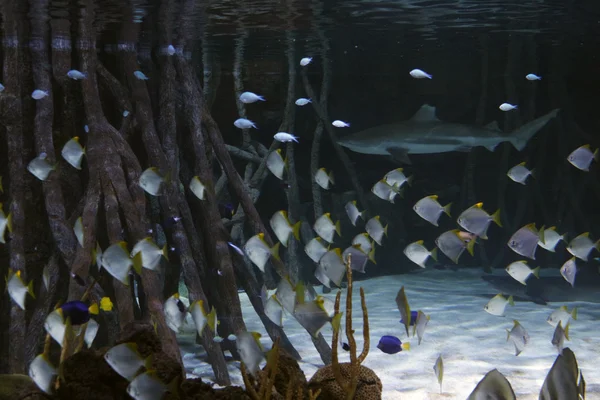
[[399, 154]]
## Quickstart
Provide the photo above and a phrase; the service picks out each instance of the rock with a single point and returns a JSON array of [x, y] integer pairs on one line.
[[195, 389], [19, 387], [369, 385], [289, 373], [143, 334]]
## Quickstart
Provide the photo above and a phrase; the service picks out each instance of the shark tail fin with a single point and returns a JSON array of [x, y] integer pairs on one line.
[[521, 136]]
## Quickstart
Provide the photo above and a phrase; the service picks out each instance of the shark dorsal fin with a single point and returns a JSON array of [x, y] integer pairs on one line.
[[425, 114], [493, 126]]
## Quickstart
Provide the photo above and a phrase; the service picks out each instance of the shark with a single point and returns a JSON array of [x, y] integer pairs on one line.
[[424, 133]]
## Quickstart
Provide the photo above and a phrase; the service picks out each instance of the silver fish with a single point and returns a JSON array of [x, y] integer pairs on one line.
[[40, 167], [551, 239], [524, 241], [420, 325], [151, 253], [452, 245], [493, 386], [582, 157], [562, 315], [259, 252], [325, 227], [519, 336], [353, 213], [430, 210], [312, 315], [324, 179], [569, 271], [376, 230], [418, 253], [358, 258], [73, 152], [126, 360], [333, 266], [315, 249], [250, 350], [17, 289], [151, 181], [404, 308], [559, 336], [198, 188], [76, 75], [78, 230], [42, 372], [5, 223], [276, 164], [249, 97], [521, 271], [564, 380], [582, 246], [438, 370], [385, 191], [497, 305], [244, 123], [147, 386], [519, 173], [477, 221], [397, 178], [175, 313]]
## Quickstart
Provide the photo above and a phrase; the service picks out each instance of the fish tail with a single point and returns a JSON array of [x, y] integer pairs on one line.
[[574, 313], [536, 272], [212, 319], [410, 180], [596, 154], [511, 301], [30, 289], [471, 247], [405, 346], [372, 255], [507, 334], [597, 245], [137, 263], [9, 222], [496, 218], [447, 208], [338, 228], [564, 237], [94, 309], [385, 230], [331, 178], [362, 214], [275, 251], [434, 254], [165, 252], [94, 254], [567, 331], [173, 386], [296, 230], [533, 173], [148, 362]]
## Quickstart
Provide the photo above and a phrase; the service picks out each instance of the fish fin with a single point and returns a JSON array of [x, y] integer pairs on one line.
[[511, 301], [492, 126], [372, 255], [385, 230], [93, 309], [399, 154], [165, 252], [137, 263], [507, 334], [596, 155], [30, 289], [296, 230], [173, 386], [405, 346], [521, 136], [338, 228], [336, 320], [533, 173], [409, 180], [9, 222], [564, 237], [211, 319], [574, 313], [275, 251], [425, 114], [536, 272], [331, 178], [148, 362], [434, 254], [567, 331], [447, 208], [496, 218], [471, 247]]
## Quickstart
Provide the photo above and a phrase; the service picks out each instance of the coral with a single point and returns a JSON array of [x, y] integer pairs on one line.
[[348, 380], [19, 387]]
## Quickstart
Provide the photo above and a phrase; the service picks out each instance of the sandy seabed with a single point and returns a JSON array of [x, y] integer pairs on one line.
[[471, 341]]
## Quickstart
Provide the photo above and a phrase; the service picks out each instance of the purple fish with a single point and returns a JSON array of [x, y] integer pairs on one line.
[[77, 311], [392, 345]]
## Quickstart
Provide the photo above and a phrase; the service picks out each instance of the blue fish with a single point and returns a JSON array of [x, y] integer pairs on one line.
[[392, 345], [413, 318], [78, 311], [226, 210]]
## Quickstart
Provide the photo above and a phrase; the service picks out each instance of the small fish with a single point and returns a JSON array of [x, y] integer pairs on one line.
[[226, 210], [151, 181], [276, 163], [126, 360], [569, 271], [78, 230], [507, 107], [125, 113], [404, 308], [232, 337], [244, 123], [151, 253], [353, 213], [17, 289], [519, 336], [358, 258], [202, 318], [140, 75], [559, 336], [497, 305], [148, 386], [39, 94], [302, 101], [520, 172], [5, 223], [76, 75], [345, 346], [582, 157], [551, 239], [285, 137], [493, 386], [46, 277], [340, 124], [418, 253], [198, 188], [364, 242], [2, 88], [324, 179], [385, 191], [477, 221], [420, 324], [40, 167], [376, 230], [54, 324], [175, 313], [250, 350], [274, 310], [73, 152], [90, 332], [312, 315], [521, 271], [118, 263], [524, 241], [249, 97], [452, 245], [258, 251], [86, 129], [218, 339], [332, 265], [315, 249], [325, 227], [305, 61], [420, 74], [533, 77], [170, 50], [79, 313], [397, 178], [438, 370], [322, 276], [43, 373], [582, 246], [392, 345], [97, 256], [283, 228], [562, 315], [430, 210]]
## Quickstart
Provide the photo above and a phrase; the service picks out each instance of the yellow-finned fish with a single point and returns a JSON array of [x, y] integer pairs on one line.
[[17, 289]]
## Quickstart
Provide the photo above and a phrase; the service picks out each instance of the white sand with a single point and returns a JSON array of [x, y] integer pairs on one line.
[[471, 341]]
